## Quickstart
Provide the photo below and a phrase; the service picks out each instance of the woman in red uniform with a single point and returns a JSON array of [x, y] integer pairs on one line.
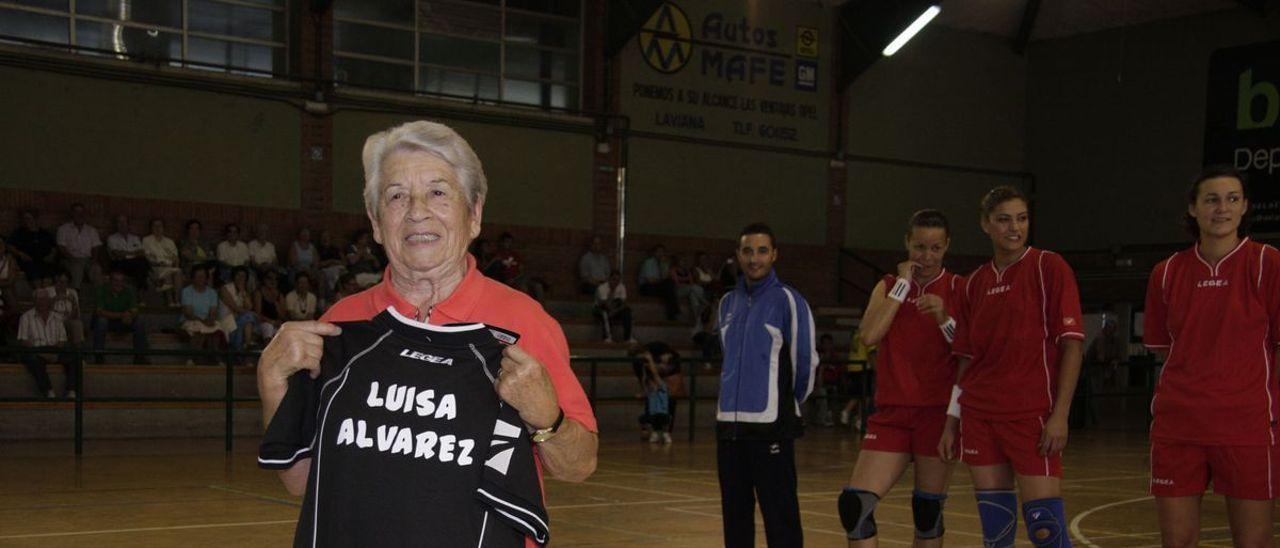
[[907, 317], [1213, 310], [1018, 339]]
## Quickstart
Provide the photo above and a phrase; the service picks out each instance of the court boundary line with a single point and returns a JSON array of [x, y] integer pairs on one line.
[[1075, 522], [146, 529]]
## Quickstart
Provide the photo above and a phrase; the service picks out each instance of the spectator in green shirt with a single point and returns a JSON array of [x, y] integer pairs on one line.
[[117, 312]]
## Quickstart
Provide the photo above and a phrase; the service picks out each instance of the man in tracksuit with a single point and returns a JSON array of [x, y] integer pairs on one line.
[[769, 360]]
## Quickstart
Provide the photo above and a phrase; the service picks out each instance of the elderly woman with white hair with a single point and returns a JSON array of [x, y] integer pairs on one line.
[[424, 195]]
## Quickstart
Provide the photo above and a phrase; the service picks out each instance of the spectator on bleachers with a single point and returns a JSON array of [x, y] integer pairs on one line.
[[858, 382], [235, 313], [268, 305], [512, 270], [66, 303], [300, 304], [363, 261], [9, 274], [729, 272], [116, 311], [262, 253], [192, 251], [41, 327], [826, 383], [232, 251], [593, 266], [78, 244], [611, 307], [687, 290], [162, 255], [331, 264], [486, 254], [704, 274], [654, 282], [35, 248], [345, 287], [200, 312], [124, 249], [305, 257]]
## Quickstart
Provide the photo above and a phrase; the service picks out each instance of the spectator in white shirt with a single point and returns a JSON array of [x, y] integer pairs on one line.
[[611, 307], [162, 255], [125, 251], [41, 327], [300, 304], [593, 266], [78, 244], [66, 304], [232, 251], [262, 253]]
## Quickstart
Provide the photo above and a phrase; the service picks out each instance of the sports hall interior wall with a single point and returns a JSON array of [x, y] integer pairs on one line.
[[676, 188], [1115, 125], [953, 99], [106, 137]]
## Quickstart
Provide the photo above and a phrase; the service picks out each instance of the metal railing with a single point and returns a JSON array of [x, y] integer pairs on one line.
[[228, 359]]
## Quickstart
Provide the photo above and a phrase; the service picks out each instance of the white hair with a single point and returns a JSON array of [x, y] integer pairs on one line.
[[431, 137]]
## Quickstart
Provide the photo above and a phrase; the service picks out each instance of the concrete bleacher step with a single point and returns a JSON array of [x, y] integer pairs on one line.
[[128, 380], [56, 420]]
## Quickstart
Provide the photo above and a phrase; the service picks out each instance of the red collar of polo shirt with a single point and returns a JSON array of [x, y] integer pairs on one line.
[[457, 307]]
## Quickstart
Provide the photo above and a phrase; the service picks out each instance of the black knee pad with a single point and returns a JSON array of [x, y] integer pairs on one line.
[[926, 509], [857, 513]]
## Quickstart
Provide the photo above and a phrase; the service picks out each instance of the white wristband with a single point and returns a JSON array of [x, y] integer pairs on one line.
[[949, 330], [900, 290], [953, 409]]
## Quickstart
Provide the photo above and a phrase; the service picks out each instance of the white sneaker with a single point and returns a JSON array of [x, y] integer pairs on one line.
[[49, 394], [666, 437], [71, 394], [655, 437], [607, 340]]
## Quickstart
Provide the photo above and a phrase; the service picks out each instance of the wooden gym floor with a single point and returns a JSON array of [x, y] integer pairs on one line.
[[143, 493]]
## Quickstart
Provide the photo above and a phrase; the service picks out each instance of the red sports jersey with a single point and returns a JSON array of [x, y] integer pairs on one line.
[[1221, 325], [1009, 324], [915, 366]]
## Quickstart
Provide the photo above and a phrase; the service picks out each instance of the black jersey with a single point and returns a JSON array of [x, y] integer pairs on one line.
[[408, 440]]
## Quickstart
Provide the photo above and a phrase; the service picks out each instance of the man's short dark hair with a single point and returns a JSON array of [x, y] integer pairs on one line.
[[759, 228]]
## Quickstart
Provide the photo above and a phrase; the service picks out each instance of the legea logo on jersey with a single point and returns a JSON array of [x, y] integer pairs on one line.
[[1004, 288], [415, 355], [1162, 481], [1212, 282]]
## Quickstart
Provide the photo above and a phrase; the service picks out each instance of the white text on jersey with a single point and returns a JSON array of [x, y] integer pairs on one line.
[[1212, 282], [1003, 288], [405, 399]]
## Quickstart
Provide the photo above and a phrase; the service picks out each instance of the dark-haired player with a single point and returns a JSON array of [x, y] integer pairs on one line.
[[907, 317], [1019, 340], [1214, 311]]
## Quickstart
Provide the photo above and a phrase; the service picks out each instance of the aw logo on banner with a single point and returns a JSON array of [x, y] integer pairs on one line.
[[665, 39]]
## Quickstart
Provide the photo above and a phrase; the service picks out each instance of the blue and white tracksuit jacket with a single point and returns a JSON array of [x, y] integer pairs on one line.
[[767, 334]]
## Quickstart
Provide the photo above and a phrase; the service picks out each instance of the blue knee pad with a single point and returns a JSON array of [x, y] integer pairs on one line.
[[998, 511], [1046, 520]]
